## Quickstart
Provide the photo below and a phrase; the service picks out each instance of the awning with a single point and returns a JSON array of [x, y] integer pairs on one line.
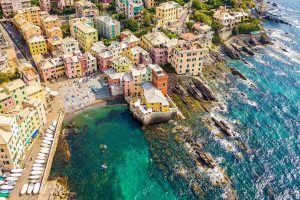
[[35, 133]]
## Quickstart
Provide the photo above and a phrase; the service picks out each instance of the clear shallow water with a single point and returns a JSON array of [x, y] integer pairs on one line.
[[130, 173], [267, 120]]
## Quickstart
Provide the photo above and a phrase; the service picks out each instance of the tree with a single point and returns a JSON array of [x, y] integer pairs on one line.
[[247, 26], [35, 2], [215, 25], [65, 29], [132, 25], [216, 39], [190, 25], [201, 17], [6, 77]]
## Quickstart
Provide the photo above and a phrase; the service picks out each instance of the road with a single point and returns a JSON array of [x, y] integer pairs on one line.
[[21, 47]]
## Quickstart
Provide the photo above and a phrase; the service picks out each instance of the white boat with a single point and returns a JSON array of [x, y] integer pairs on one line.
[[49, 131], [48, 138], [12, 178], [36, 172], [10, 182], [7, 187], [37, 168], [45, 145], [49, 135], [37, 165], [3, 198], [39, 161], [52, 128], [42, 154], [30, 188], [35, 177], [54, 123], [1, 182], [36, 188], [16, 175], [45, 148], [16, 170], [41, 157], [24, 189], [45, 151], [46, 142], [34, 181]]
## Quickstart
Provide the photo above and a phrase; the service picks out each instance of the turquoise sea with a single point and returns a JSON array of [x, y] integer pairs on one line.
[[267, 120]]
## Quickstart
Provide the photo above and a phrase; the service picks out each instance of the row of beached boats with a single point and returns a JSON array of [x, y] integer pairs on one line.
[[34, 184], [8, 182]]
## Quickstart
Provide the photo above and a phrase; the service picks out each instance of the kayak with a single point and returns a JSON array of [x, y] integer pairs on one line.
[[12, 178], [24, 189], [3, 196], [5, 191], [37, 168], [54, 123], [30, 188], [45, 148], [36, 188], [41, 157], [16, 170], [35, 177], [46, 142]]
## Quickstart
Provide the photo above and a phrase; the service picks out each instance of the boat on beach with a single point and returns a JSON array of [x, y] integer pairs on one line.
[[12, 178], [16, 175], [36, 172], [42, 154], [48, 138], [37, 168], [36, 188], [37, 165], [41, 157], [5, 191], [49, 135], [1, 182], [46, 142], [24, 189], [16, 170], [45, 148], [30, 188], [45, 151], [7, 187], [54, 123], [52, 128], [45, 145], [35, 177], [39, 161], [49, 131]]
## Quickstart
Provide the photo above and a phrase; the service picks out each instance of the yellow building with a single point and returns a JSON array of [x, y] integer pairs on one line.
[[37, 45], [28, 30], [75, 21], [167, 13], [37, 92], [86, 36], [17, 89], [54, 44], [54, 32], [122, 64], [31, 14], [154, 99]]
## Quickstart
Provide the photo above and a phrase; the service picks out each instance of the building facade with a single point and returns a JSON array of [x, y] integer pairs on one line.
[[107, 27]]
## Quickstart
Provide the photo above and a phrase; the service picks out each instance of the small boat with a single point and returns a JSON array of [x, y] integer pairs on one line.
[[12, 178], [54, 123], [16, 170], [45, 148], [36, 172], [103, 166], [37, 168], [5, 191], [10, 182], [42, 154], [48, 138], [7, 187], [45, 145], [30, 188], [36, 188], [16, 175], [49, 135], [41, 157], [37, 165], [3, 196], [40, 161], [35, 177], [1, 182], [24, 189], [46, 142], [49, 131], [52, 128], [5, 175], [45, 151], [34, 181]]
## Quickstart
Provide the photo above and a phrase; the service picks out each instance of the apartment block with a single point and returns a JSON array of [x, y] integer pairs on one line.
[[73, 24], [9, 7], [45, 5], [37, 45], [85, 8], [107, 27], [51, 68], [86, 36]]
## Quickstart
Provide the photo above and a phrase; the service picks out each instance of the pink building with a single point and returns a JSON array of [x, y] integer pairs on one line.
[[103, 55], [45, 5], [72, 66], [129, 38], [88, 63], [6, 101], [128, 85]]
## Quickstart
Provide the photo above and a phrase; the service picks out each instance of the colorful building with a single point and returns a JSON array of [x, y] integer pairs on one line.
[[61, 4], [73, 67], [167, 13], [73, 24], [31, 14], [118, 48], [86, 36], [45, 5], [151, 3], [54, 44], [159, 78], [9, 7], [37, 45], [30, 76], [88, 64], [138, 55], [6, 101], [28, 30], [107, 27], [85, 8], [103, 55], [17, 89], [187, 58], [133, 8], [37, 92], [51, 68], [69, 45], [51, 26], [129, 38], [54, 32], [122, 64], [154, 99]]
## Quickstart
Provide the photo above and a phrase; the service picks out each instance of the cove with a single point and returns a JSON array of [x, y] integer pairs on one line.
[[130, 173]]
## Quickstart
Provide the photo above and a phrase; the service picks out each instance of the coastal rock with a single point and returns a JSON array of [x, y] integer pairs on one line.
[[237, 73], [206, 92]]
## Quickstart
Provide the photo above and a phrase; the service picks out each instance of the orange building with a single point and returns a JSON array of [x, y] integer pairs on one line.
[[159, 78]]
